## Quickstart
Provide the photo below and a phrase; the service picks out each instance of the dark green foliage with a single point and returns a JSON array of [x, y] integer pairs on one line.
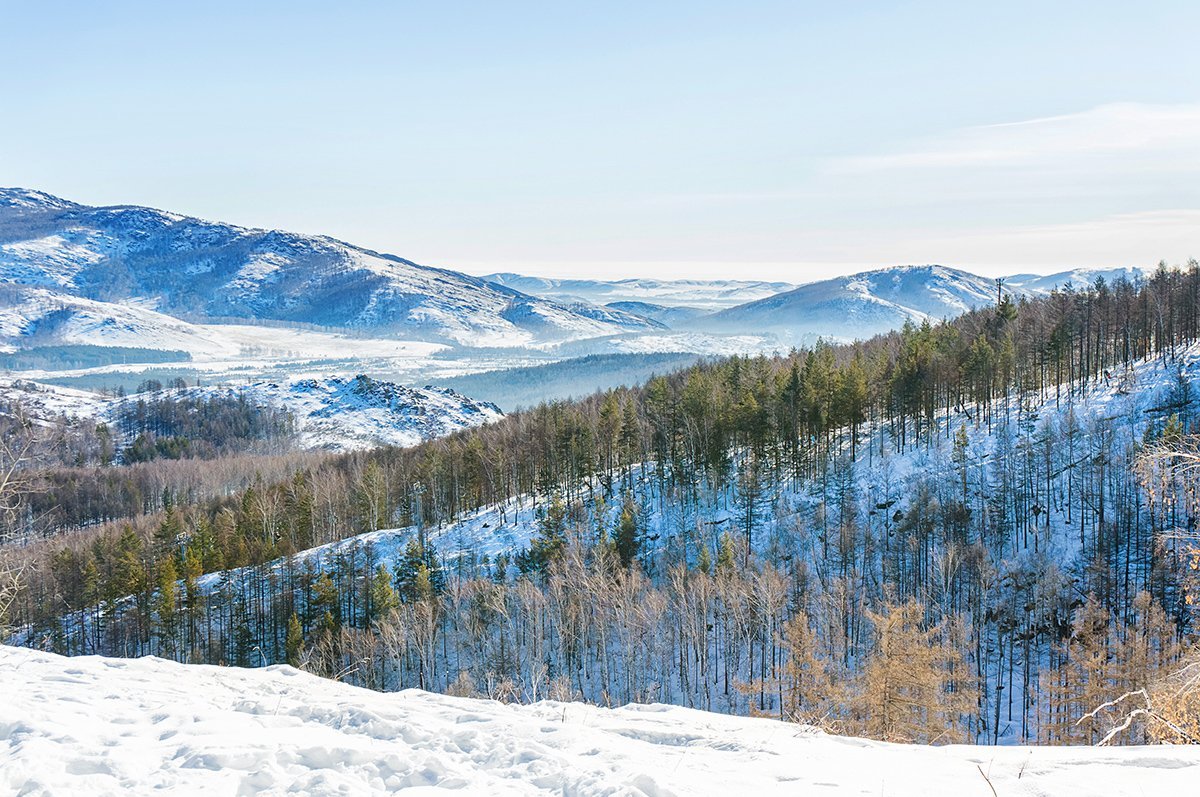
[[293, 641], [173, 426], [58, 358], [417, 573], [628, 537]]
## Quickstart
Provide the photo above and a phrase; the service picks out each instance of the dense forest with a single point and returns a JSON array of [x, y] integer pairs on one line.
[[976, 530]]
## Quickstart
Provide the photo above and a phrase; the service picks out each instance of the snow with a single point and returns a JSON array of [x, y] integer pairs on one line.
[[76, 320], [333, 413], [51, 260], [97, 726], [892, 479], [343, 414], [209, 271], [28, 199], [47, 402], [257, 270], [858, 306], [1075, 278]]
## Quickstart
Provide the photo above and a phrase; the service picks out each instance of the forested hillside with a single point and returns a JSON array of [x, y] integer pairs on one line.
[[952, 532]]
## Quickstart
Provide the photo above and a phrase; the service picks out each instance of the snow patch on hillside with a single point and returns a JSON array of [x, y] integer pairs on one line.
[[49, 317], [342, 414]]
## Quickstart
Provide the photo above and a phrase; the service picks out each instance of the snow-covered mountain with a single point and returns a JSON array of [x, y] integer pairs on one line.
[[708, 295], [858, 305], [1075, 278], [843, 308], [98, 726], [198, 270], [334, 413]]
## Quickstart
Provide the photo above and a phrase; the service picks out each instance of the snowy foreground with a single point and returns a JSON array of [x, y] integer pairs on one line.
[[91, 725]]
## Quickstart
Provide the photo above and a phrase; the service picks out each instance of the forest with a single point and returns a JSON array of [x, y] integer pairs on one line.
[[976, 530]]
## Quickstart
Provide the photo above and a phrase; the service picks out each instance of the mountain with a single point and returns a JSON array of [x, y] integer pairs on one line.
[[1076, 278], [858, 305], [200, 729], [707, 295], [197, 270]]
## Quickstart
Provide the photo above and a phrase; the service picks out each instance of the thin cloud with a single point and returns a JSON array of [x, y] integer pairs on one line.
[[1166, 134]]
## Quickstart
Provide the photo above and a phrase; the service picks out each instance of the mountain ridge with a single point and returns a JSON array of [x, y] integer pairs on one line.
[[199, 270]]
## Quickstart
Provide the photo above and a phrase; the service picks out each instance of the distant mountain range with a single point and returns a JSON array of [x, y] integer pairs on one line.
[[704, 295], [842, 308], [59, 252], [137, 277]]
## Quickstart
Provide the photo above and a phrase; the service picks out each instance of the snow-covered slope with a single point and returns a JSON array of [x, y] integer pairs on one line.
[[1076, 278], [349, 413], [701, 294], [48, 403], [39, 316], [859, 305], [97, 726], [1126, 404], [197, 270], [334, 413]]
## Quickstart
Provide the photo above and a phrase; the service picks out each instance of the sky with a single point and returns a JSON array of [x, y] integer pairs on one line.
[[776, 140]]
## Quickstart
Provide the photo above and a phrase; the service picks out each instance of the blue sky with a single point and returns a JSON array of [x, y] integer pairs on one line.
[[780, 140]]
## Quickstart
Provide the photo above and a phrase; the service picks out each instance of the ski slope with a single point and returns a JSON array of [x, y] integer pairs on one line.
[[97, 726]]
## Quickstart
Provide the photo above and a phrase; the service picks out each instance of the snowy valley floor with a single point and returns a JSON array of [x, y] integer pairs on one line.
[[91, 725]]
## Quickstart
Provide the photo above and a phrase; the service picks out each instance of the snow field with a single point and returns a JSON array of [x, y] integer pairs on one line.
[[90, 725]]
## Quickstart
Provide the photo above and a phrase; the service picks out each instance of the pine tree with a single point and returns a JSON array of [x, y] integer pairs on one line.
[[383, 597], [627, 541], [165, 607], [293, 644]]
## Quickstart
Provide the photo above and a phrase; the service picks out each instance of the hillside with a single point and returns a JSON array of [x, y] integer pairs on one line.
[[198, 270], [106, 726], [341, 414], [857, 306], [330, 413]]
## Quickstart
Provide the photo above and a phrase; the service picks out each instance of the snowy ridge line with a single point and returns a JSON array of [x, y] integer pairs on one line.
[[97, 726]]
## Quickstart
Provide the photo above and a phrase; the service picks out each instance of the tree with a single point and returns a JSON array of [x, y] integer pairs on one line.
[[628, 541], [10, 587], [408, 569], [293, 644], [813, 691], [912, 689], [383, 597], [166, 605], [550, 541]]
